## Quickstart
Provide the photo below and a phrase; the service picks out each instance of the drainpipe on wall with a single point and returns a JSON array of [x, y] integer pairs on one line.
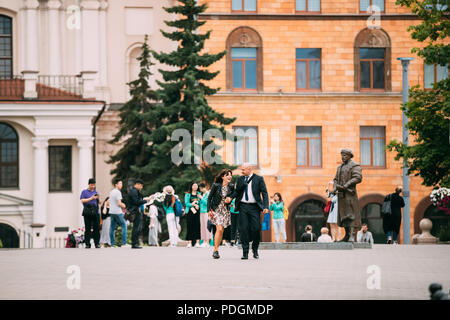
[[94, 134], [406, 193]]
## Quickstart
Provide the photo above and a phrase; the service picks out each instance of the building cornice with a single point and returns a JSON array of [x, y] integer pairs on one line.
[[324, 16]]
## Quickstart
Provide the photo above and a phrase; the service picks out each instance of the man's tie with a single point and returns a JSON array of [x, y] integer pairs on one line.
[[246, 189]]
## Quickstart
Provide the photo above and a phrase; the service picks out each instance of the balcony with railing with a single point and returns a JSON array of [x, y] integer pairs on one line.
[[32, 86]]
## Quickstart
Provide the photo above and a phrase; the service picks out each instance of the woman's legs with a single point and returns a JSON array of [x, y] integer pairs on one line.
[[334, 231], [172, 226], [218, 237], [276, 228], [283, 229]]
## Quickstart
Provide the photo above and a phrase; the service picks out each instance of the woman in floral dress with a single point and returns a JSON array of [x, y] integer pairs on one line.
[[218, 208]]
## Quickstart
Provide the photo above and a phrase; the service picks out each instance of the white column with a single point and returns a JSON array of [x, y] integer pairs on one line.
[[85, 145], [40, 191], [31, 35], [103, 56], [54, 44], [30, 80], [90, 36]]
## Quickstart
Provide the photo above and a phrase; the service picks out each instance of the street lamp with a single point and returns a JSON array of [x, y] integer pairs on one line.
[[406, 194]]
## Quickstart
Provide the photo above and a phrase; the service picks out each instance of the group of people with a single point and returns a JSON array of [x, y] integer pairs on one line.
[[227, 213], [363, 235], [112, 213]]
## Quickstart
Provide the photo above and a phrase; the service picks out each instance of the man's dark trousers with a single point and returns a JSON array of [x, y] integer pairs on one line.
[[249, 226], [91, 221], [136, 229]]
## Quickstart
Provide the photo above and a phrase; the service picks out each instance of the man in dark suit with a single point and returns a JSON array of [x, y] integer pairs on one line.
[[249, 189], [136, 200]]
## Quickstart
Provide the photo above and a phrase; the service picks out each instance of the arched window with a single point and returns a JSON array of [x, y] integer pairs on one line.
[[134, 64], [8, 236], [5, 47], [9, 157], [371, 214], [441, 223], [244, 60], [372, 55]]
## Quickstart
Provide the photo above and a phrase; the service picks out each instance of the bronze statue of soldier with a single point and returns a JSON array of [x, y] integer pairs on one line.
[[348, 175]]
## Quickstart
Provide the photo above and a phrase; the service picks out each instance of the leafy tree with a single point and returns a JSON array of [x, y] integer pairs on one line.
[[428, 110]]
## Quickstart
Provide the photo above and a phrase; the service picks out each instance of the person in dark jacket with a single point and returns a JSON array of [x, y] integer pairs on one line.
[[308, 236], [252, 200], [135, 202], [392, 222], [219, 206]]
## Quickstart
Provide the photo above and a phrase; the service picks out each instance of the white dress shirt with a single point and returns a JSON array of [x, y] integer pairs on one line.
[[251, 198]]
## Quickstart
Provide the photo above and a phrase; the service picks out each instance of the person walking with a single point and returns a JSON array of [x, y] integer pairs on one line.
[[116, 212], [308, 236], [249, 190], [205, 234], [277, 207], [191, 202], [219, 206], [168, 205], [154, 226], [89, 198], [134, 207], [392, 222], [105, 239]]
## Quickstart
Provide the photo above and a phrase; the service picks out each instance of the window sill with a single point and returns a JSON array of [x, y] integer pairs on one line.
[[373, 168]]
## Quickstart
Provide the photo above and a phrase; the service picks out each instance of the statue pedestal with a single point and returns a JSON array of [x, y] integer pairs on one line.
[[425, 237]]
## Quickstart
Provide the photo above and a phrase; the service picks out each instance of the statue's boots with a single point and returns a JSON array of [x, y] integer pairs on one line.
[[347, 235], [352, 235]]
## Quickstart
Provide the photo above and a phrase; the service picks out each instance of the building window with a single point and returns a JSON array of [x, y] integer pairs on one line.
[[372, 143], [364, 5], [245, 145], [309, 146], [60, 168], [9, 157], [5, 47], [434, 73], [244, 68], [244, 60], [371, 61], [372, 54], [308, 69], [243, 5], [307, 5]]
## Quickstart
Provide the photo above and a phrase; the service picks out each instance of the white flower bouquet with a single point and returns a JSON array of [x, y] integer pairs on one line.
[[441, 199]]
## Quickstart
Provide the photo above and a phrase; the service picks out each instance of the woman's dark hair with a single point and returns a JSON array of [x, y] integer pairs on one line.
[[224, 172], [190, 187], [279, 196], [168, 200], [308, 228], [202, 185], [104, 203]]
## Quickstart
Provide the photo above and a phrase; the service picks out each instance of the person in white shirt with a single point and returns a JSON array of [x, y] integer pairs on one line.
[[325, 237], [364, 235]]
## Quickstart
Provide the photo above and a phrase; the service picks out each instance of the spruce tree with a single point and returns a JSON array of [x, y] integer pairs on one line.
[[137, 121], [182, 94]]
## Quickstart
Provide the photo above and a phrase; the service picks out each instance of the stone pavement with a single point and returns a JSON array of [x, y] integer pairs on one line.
[[190, 273]]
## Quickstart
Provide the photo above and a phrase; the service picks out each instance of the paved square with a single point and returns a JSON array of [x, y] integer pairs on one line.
[[191, 273]]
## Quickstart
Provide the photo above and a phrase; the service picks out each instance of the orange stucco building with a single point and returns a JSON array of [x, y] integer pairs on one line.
[[306, 105]]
